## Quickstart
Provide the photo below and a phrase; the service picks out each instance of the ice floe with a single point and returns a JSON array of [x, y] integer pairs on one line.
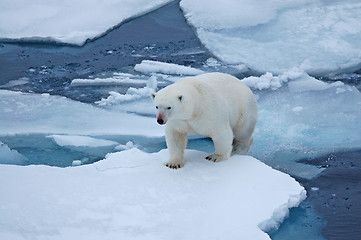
[[131, 195], [67, 21]]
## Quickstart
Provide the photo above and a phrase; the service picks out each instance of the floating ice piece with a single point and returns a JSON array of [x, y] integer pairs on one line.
[[273, 36], [76, 163], [106, 81], [10, 156], [81, 141], [148, 67], [13, 83], [127, 146], [67, 21], [132, 195], [131, 95]]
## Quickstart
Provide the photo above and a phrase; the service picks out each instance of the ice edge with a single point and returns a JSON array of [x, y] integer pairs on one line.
[[282, 212]]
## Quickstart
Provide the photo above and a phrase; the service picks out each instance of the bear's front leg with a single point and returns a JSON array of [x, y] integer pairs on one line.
[[223, 145], [176, 143]]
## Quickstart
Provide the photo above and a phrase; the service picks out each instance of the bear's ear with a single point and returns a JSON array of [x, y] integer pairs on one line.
[[152, 95], [180, 98]]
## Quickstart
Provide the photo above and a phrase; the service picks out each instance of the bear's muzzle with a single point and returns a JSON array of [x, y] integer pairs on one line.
[[160, 119]]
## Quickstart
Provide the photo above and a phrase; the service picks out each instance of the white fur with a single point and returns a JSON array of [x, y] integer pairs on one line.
[[213, 104]]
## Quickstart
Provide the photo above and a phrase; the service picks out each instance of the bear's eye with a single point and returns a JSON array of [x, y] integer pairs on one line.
[[156, 107], [169, 108]]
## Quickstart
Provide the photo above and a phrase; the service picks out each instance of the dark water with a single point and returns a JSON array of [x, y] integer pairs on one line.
[[339, 194], [161, 35], [333, 207]]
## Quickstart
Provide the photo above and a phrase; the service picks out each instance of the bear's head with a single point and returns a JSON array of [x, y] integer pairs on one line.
[[175, 102], [168, 106]]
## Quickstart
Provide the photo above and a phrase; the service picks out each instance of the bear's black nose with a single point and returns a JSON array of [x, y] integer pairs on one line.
[[160, 121]]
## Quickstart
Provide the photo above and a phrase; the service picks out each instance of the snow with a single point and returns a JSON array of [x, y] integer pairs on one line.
[[274, 36], [148, 66], [68, 21], [131, 195], [81, 141], [24, 113]]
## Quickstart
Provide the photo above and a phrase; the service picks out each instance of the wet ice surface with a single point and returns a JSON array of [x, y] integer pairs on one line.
[[299, 116]]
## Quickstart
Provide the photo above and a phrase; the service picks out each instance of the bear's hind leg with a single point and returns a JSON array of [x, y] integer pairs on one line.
[[241, 146], [243, 135]]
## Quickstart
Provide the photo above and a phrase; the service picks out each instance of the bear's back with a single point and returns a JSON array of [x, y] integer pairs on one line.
[[218, 85]]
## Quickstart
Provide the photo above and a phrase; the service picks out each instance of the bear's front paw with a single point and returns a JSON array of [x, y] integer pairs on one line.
[[174, 165], [215, 157]]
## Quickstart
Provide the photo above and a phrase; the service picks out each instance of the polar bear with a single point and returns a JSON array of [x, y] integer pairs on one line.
[[216, 105]]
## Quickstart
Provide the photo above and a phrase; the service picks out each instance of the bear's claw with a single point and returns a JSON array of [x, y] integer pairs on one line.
[[214, 158], [174, 166]]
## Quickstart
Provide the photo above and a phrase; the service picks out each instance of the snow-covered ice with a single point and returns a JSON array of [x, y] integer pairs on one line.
[[131, 195], [67, 21], [275, 36]]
